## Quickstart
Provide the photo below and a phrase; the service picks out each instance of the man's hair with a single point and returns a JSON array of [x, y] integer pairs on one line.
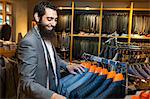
[[40, 8]]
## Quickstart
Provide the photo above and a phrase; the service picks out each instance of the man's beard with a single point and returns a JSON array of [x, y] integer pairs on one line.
[[46, 34]]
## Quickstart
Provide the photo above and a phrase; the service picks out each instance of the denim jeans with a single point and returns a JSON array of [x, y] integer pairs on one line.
[[88, 45], [141, 71], [86, 23], [115, 90], [141, 24], [64, 80], [113, 23], [73, 94], [145, 68], [81, 81], [100, 89], [77, 48], [64, 23], [91, 86], [72, 80], [135, 71], [148, 66]]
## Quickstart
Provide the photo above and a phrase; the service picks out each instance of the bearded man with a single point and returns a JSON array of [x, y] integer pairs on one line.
[[39, 64]]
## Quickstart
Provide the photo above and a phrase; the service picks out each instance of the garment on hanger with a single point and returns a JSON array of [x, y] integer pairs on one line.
[[6, 32]]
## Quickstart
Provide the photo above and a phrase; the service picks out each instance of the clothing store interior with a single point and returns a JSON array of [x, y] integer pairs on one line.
[[109, 38]]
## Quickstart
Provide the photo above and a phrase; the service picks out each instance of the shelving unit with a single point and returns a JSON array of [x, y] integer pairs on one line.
[[104, 6]]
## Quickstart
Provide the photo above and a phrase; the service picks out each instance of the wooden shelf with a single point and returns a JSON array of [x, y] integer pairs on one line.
[[77, 35], [122, 37], [140, 38], [64, 8], [7, 53], [81, 8], [115, 37], [141, 9], [78, 8], [128, 9], [84, 8]]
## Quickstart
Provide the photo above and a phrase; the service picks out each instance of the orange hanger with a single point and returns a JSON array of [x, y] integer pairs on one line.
[[92, 68], [135, 97], [111, 74], [145, 95], [118, 77], [98, 69], [86, 64], [104, 71]]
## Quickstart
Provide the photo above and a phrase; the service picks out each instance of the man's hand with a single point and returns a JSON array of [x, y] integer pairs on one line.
[[57, 96], [72, 68]]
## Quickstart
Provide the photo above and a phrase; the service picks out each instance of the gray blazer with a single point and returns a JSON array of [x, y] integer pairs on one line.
[[32, 68]]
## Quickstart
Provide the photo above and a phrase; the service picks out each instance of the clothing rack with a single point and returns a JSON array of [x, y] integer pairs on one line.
[[116, 64], [119, 51], [141, 15], [141, 78], [136, 50], [116, 13], [105, 61], [132, 46]]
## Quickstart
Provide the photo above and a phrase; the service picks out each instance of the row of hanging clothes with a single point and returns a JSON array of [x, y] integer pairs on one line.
[[123, 52], [80, 45], [63, 40], [87, 23], [136, 55], [115, 22], [98, 81], [139, 56], [5, 32], [64, 23], [141, 24], [139, 76], [9, 73], [141, 70], [107, 49], [111, 22]]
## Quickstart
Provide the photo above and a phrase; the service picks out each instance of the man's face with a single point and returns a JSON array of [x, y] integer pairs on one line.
[[49, 20], [47, 23]]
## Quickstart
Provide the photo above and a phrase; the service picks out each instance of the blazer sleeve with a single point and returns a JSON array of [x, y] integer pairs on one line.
[[27, 67]]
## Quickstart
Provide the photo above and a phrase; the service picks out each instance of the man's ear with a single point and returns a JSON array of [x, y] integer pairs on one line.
[[36, 17]]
